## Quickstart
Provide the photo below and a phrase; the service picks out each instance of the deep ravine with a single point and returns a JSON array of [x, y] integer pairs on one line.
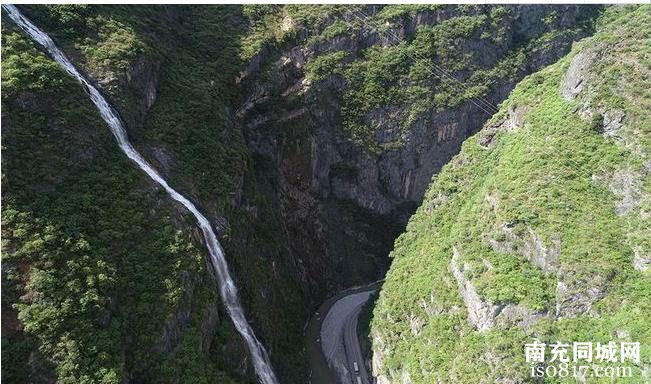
[[226, 285]]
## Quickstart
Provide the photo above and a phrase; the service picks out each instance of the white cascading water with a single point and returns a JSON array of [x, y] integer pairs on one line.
[[226, 286]]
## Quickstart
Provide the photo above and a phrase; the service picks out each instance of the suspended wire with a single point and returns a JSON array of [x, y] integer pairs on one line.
[[448, 76], [441, 73]]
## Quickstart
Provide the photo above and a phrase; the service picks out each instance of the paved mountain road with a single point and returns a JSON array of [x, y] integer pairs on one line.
[[353, 351], [339, 340]]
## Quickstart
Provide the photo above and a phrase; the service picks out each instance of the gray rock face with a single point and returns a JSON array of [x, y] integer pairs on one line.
[[545, 257], [575, 296], [627, 185], [514, 120], [530, 246], [341, 204], [520, 239], [481, 314], [613, 121], [576, 75], [641, 261], [484, 315], [177, 325]]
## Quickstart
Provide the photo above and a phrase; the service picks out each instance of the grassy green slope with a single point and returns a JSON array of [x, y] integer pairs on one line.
[[552, 175]]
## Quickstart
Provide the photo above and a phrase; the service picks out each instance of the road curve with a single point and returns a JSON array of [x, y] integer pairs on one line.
[[339, 340], [353, 350]]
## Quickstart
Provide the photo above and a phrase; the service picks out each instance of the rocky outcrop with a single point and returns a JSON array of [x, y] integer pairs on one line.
[[484, 315], [314, 206], [641, 261], [529, 245], [574, 80], [506, 223], [141, 81], [176, 325], [580, 83], [513, 121], [481, 314], [628, 185], [575, 296]]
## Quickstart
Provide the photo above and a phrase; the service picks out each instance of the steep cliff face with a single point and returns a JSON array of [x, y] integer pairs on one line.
[[354, 116], [538, 228]]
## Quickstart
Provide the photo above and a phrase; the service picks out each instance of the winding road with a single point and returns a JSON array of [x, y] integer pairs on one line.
[[335, 328], [354, 354]]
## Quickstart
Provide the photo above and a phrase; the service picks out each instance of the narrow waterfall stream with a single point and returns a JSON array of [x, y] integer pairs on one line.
[[226, 285]]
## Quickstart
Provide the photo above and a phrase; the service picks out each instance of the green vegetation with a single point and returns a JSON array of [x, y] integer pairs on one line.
[[21, 70], [200, 133], [83, 231], [325, 65], [273, 25], [398, 11], [158, 276], [405, 73], [402, 76], [200, 67], [534, 179], [107, 44], [405, 79], [105, 279], [337, 28], [265, 27]]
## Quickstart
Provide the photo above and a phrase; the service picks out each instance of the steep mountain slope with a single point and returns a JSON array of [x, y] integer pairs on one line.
[[539, 227], [173, 82]]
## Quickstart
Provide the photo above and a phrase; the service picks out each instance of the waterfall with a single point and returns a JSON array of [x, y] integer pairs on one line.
[[227, 288]]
